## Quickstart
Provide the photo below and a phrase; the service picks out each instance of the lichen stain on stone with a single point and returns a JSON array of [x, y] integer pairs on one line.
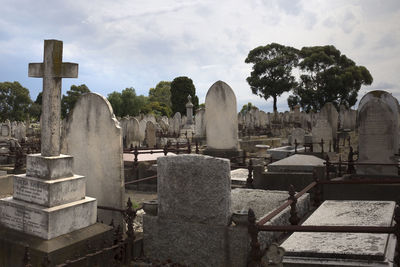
[[378, 93], [57, 58]]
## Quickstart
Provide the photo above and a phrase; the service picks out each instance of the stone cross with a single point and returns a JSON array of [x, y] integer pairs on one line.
[[52, 70]]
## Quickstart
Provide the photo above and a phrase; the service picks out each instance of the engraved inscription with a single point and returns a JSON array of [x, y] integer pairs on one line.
[[30, 190], [23, 219]]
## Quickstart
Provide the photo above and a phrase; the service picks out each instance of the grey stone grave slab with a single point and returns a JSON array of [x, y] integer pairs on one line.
[[296, 163], [283, 152], [239, 176], [343, 248]]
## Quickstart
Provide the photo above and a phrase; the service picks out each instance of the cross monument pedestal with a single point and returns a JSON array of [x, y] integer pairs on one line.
[[49, 200]]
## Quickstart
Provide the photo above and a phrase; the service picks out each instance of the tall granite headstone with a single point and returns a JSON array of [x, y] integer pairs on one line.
[[378, 138], [94, 138], [194, 203], [221, 121]]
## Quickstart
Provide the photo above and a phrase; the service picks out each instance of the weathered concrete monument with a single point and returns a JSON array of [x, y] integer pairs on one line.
[[49, 200], [221, 121], [378, 127]]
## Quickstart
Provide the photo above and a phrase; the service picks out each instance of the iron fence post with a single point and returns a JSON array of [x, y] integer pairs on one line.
[[294, 219], [322, 146], [317, 190], [197, 147], [256, 253], [249, 181], [26, 261], [397, 233]]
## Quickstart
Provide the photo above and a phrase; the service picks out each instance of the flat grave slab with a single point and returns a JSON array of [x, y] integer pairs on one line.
[[265, 201], [239, 176], [343, 246], [283, 152], [296, 163]]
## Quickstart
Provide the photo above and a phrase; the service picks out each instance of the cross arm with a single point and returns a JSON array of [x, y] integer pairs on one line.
[[68, 70]]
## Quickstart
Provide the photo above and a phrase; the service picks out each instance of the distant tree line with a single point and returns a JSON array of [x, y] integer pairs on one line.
[[165, 99], [325, 75]]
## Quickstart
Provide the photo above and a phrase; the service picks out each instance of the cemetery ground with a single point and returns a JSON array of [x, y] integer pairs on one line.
[[215, 188]]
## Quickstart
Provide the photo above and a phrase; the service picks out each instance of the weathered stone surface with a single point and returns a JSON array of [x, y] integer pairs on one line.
[[49, 168], [49, 193], [47, 223], [321, 130], [296, 163], [94, 138], [378, 127], [329, 112], [344, 245], [57, 250], [265, 201], [221, 117], [283, 152], [195, 244], [176, 123], [200, 129], [150, 135], [52, 70], [130, 131], [194, 188], [239, 176], [6, 184], [297, 135]]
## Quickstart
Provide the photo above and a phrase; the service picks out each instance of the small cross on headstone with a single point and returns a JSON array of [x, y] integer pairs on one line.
[[52, 70]]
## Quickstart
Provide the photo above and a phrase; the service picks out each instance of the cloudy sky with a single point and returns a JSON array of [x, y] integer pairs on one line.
[[137, 43]]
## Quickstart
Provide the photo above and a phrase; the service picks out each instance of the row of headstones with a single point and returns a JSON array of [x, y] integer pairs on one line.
[[255, 118], [13, 129], [142, 129], [94, 137]]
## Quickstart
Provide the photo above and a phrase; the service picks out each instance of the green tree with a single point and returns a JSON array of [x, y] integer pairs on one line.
[[35, 110], [247, 107], [161, 93], [157, 108], [292, 101], [328, 76], [181, 87], [131, 103], [115, 100], [14, 101], [68, 101], [127, 102], [272, 70]]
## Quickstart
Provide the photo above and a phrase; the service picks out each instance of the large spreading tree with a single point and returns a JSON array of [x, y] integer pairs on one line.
[[272, 70], [15, 101], [181, 88], [328, 76], [127, 102], [68, 101]]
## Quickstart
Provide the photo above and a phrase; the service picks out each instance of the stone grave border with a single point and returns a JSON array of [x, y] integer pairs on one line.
[[256, 254]]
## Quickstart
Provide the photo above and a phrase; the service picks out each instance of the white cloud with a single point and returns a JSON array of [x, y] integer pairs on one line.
[[126, 43]]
